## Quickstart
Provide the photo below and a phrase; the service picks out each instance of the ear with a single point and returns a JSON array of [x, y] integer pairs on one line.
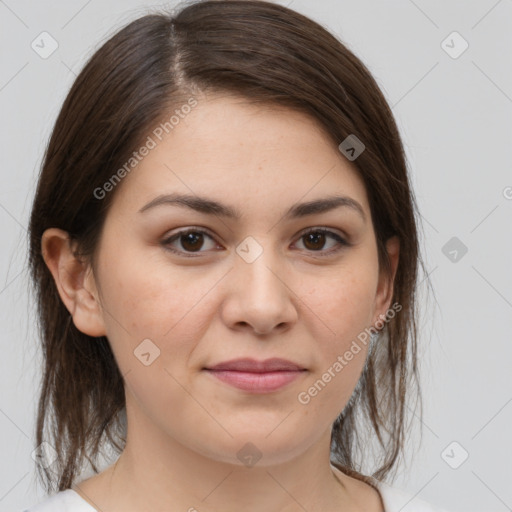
[[386, 279], [75, 282]]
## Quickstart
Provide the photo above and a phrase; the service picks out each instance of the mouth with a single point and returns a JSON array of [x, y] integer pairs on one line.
[[257, 376]]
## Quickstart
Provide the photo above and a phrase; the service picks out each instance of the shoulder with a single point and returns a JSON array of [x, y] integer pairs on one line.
[[64, 501], [396, 500]]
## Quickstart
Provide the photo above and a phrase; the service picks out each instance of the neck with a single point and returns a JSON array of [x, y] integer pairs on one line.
[[155, 472]]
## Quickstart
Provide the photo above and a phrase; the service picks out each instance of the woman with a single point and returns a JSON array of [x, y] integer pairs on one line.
[[224, 251]]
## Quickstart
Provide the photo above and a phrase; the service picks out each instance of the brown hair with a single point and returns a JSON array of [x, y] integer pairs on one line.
[[266, 53]]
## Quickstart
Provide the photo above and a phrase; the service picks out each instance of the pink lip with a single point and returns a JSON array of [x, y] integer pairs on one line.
[[257, 376]]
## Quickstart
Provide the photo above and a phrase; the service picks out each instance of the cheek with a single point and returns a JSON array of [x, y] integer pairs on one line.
[[148, 296], [343, 305], [147, 299], [152, 327], [340, 311]]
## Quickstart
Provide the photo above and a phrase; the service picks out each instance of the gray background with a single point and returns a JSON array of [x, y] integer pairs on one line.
[[455, 115]]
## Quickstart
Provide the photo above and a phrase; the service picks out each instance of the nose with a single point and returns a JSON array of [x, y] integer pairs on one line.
[[261, 298]]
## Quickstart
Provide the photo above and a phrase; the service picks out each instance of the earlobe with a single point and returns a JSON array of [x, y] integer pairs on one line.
[[70, 276], [386, 280]]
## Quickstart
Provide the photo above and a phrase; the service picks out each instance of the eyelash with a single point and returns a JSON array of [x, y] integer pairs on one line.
[[322, 254]]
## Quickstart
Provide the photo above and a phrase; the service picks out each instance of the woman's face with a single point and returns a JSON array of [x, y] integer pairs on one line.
[[253, 285]]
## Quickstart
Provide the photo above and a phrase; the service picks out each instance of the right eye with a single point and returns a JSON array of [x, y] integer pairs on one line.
[[190, 239]]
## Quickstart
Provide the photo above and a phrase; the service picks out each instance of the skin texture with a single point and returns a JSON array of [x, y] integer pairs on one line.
[[185, 427]]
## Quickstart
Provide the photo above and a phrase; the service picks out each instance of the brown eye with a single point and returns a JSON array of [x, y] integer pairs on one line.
[[188, 241], [316, 239], [191, 241]]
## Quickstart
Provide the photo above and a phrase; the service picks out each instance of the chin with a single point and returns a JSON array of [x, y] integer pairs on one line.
[[253, 448]]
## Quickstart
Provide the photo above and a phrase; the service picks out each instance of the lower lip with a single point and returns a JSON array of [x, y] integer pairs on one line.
[[256, 382]]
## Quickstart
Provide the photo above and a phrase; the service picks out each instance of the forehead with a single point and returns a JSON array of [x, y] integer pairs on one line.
[[243, 154]]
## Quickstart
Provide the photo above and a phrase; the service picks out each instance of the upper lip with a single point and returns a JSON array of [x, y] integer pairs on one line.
[[252, 365]]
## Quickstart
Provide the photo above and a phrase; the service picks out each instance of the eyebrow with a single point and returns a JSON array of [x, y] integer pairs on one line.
[[211, 207]]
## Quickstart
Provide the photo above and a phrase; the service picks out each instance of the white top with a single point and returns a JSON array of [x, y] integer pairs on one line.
[[394, 500]]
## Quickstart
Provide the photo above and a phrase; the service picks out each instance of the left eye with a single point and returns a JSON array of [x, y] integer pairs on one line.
[[192, 240], [317, 236]]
